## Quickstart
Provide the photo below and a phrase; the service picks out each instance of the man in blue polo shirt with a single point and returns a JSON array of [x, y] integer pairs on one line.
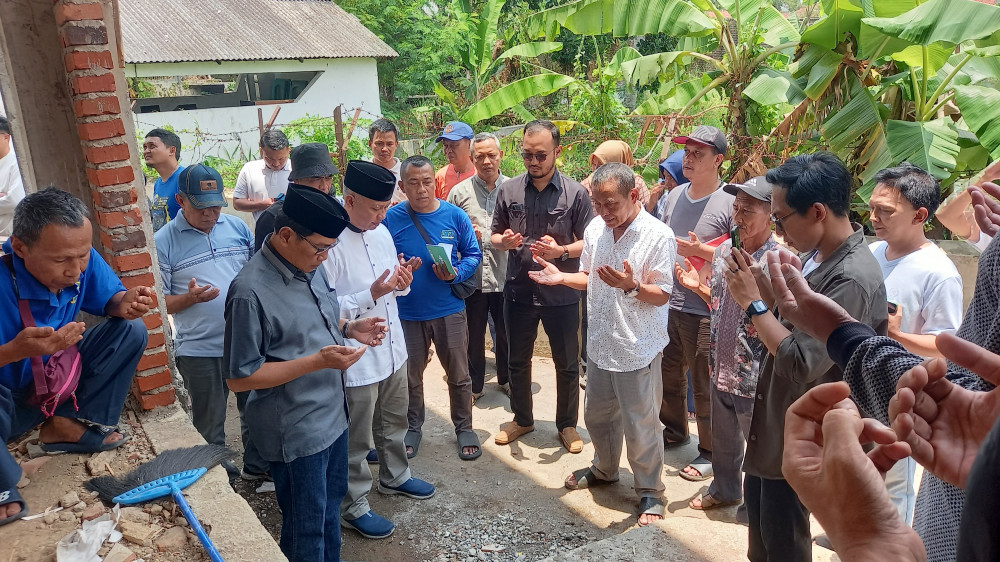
[[50, 264], [161, 150], [200, 252], [431, 312]]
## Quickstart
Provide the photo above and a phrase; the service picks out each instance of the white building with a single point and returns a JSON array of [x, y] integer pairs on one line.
[[213, 63]]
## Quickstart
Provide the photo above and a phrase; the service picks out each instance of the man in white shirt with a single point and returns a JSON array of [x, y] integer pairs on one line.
[[261, 181], [367, 275], [627, 270], [922, 285], [383, 140], [11, 188]]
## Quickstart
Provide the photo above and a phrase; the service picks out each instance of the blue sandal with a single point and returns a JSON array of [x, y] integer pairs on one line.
[[12, 496], [92, 441]]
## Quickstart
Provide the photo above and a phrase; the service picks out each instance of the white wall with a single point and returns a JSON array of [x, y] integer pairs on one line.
[[352, 82]]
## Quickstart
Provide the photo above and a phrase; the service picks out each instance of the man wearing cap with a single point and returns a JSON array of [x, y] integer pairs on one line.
[[431, 312], [736, 351], [542, 213], [383, 140], [454, 141], [284, 341], [377, 393], [200, 252], [477, 196], [261, 181], [311, 167], [697, 212]]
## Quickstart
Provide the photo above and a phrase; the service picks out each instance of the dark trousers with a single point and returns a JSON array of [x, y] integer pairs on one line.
[[688, 347], [252, 461], [450, 336], [309, 491], [479, 306], [204, 379], [109, 353], [779, 523], [561, 325]]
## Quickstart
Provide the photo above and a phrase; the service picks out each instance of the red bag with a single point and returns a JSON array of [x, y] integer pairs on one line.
[[56, 379]]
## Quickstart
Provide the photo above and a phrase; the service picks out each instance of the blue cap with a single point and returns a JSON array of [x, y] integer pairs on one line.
[[674, 166], [456, 130], [202, 186]]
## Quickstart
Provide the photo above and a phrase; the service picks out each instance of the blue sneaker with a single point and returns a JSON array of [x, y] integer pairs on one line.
[[413, 488], [372, 456], [370, 525]]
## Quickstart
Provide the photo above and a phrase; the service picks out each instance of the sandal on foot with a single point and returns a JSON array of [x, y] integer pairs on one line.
[[13, 496], [570, 439], [667, 444], [412, 440], [468, 438], [477, 395], [702, 465], [650, 506], [92, 441], [708, 501], [585, 478], [510, 431]]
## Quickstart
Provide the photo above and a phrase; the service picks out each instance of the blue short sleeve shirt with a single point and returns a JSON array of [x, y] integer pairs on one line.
[[91, 293]]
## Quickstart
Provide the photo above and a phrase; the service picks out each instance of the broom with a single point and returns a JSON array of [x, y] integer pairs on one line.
[[166, 475]]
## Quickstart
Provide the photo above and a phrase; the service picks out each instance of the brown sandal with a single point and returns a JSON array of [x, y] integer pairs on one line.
[[708, 501]]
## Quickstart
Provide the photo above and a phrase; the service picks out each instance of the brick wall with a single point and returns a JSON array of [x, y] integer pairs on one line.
[[96, 84]]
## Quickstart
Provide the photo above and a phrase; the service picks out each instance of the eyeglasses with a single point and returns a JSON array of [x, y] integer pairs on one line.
[[540, 156], [779, 221], [319, 249]]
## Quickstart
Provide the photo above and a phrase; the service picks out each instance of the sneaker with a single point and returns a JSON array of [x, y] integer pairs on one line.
[[255, 476], [413, 488], [372, 457], [370, 525], [265, 487]]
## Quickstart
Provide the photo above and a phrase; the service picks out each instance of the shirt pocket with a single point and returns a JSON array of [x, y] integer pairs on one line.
[[559, 225]]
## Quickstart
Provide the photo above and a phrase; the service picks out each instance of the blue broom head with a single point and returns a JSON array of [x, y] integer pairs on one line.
[[160, 487], [166, 464]]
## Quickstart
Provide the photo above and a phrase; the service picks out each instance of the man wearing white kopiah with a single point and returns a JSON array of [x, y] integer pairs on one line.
[[627, 268], [368, 275]]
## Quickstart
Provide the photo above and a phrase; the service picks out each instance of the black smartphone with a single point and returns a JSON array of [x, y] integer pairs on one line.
[[734, 235], [892, 307]]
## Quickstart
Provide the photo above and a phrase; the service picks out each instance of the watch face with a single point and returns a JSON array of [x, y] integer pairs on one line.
[[757, 307]]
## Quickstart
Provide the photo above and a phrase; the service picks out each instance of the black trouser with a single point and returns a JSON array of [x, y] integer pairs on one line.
[[561, 325], [479, 306], [688, 347], [779, 523]]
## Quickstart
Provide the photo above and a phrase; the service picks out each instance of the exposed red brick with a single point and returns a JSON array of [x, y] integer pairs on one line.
[[104, 177], [115, 219], [156, 380], [122, 241], [142, 280], [101, 130], [77, 12], [87, 60], [130, 263], [75, 34], [112, 198], [104, 105], [150, 401], [104, 154], [152, 320], [155, 340]]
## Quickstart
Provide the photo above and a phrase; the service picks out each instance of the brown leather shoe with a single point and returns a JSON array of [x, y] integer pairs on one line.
[[571, 440], [510, 431]]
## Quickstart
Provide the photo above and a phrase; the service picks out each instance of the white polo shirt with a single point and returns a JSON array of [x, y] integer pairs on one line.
[[257, 182], [11, 192]]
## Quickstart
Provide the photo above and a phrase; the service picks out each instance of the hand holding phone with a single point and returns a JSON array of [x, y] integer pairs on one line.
[[734, 235]]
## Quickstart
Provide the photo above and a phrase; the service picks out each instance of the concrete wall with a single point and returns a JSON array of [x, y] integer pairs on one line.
[[224, 131]]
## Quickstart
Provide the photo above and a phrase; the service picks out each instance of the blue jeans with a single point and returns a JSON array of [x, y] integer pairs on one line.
[[309, 491], [109, 353]]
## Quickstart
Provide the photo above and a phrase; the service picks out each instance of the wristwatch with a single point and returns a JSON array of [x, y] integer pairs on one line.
[[565, 254], [633, 291], [756, 307]]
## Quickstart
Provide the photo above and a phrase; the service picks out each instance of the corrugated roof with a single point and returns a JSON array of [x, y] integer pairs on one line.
[[236, 30]]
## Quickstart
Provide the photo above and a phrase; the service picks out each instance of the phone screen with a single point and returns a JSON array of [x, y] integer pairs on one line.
[[892, 308], [734, 235]]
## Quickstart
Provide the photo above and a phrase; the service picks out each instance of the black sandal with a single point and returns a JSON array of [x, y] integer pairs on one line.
[[585, 478]]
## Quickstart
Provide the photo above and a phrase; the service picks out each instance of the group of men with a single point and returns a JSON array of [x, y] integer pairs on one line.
[[292, 319]]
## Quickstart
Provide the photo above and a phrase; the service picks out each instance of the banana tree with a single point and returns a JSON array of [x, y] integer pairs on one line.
[[762, 36]]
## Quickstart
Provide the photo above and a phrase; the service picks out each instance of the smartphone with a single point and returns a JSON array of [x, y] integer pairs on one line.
[[892, 307], [734, 235]]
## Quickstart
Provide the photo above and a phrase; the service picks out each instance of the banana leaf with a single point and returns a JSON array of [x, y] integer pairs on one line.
[[950, 21], [981, 111], [645, 70], [842, 17], [772, 87], [515, 93], [773, 27], [820, 65], [932, 145], [860, 120], [622, 18]]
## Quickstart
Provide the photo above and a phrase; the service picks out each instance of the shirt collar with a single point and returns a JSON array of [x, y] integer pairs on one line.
[[555, 182], [284, 267], [286, 168], [185, 225]]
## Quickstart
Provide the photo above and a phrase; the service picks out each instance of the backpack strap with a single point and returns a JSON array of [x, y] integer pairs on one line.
[[37, 367], [416, 223]]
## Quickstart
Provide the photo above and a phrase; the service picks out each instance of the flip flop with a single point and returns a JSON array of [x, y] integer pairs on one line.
[[12, 496], [675, 444], [92, 441], [650, 506], [585, 478], [468, 438], [702, 465], [708, 501], [412, 440]]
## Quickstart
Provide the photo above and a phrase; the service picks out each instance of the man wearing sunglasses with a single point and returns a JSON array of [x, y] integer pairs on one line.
[[809, 206], [542, 213]]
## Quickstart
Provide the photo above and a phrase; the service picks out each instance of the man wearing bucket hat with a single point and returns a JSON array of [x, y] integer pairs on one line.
[[199, 253], [311, 167], [454, 139], [377, 389]]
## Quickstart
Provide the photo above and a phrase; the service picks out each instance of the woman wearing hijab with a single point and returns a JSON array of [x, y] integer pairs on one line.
[[616, 151]]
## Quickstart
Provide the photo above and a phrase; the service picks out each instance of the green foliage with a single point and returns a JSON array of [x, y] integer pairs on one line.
[[140, 89], [324, 129], [228, 167]]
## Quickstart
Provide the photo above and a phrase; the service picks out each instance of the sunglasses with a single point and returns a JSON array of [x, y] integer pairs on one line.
[[540, 156], [319, 249]]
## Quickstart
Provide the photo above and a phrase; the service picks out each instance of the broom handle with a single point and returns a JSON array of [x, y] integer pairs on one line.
[[195, 525]]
